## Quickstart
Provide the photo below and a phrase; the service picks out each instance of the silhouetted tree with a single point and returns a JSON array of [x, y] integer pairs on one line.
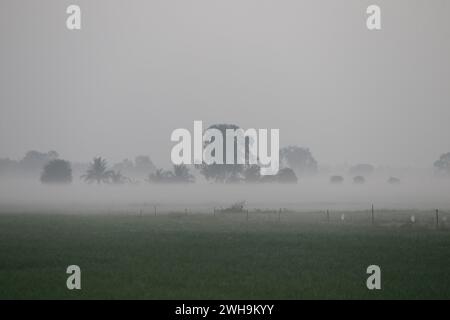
[[98, 172], [224, 173], [336, 179], [359, 180], [125, 165], [298, 159], [442, 165], [57, 172], [181, 174], [140, 168], [116, 177], [286, 175], [160, 176], [143, 164], [34, 161]]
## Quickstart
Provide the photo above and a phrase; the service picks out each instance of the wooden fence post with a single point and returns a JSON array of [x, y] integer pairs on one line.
[[437, 218], [373, 216]]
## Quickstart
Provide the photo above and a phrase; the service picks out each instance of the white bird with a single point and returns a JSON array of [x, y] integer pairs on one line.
[[413, 219]]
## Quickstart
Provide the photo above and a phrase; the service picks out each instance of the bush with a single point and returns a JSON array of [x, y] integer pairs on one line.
[[57, 172], [336, 179], [359, 180]]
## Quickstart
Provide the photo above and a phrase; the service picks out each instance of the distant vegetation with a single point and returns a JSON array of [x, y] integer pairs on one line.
[[295, 162], [359, 180], [442, 165], [98, 172], [224, 173], [180, 174], [299, 159], [57, 171], [336, 179]]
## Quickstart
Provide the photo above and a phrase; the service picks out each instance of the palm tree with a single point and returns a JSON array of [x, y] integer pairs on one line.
[[160, 176], [118, 178], [98, 172]]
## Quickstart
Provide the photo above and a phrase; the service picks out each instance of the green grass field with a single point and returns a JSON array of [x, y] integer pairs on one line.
[[199, 256]]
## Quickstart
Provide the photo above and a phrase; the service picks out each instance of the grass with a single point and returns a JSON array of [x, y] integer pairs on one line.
[[201, 256]]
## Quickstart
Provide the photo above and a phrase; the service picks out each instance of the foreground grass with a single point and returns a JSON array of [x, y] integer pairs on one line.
[[217, 257]]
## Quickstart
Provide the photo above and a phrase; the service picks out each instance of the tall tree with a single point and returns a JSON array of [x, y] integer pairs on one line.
[[160, 176], [181, 174], [34, 161], [442, 165], [299, 159], [116, 177], [57, 171], [98, 171], [224, 173]]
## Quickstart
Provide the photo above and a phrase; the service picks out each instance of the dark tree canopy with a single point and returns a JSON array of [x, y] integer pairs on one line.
[[180, 174], [34, 161], [336, 179], [298, 159], [140, 168], [286, 175], [57, 172], [160, 176], [98, 172], [116, 177], [224, 173], [442, 165], [359, 180]]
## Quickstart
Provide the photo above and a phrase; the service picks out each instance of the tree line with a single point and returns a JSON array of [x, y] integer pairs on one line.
[[294, 161]]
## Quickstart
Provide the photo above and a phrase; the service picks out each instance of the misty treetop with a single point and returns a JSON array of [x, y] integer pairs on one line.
[[180, 174], [336, 179], [31, 165], [139, 168], [359, 180], [57, 171], [296, 161], [442, 165], [225, 173], [299, 159], [98, 172]]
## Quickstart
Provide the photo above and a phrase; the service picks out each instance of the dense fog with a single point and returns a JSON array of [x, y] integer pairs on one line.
[[419, 191], [339, 94]]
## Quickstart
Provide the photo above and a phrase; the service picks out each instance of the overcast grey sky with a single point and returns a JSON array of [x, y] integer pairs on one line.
[[139, 69]]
